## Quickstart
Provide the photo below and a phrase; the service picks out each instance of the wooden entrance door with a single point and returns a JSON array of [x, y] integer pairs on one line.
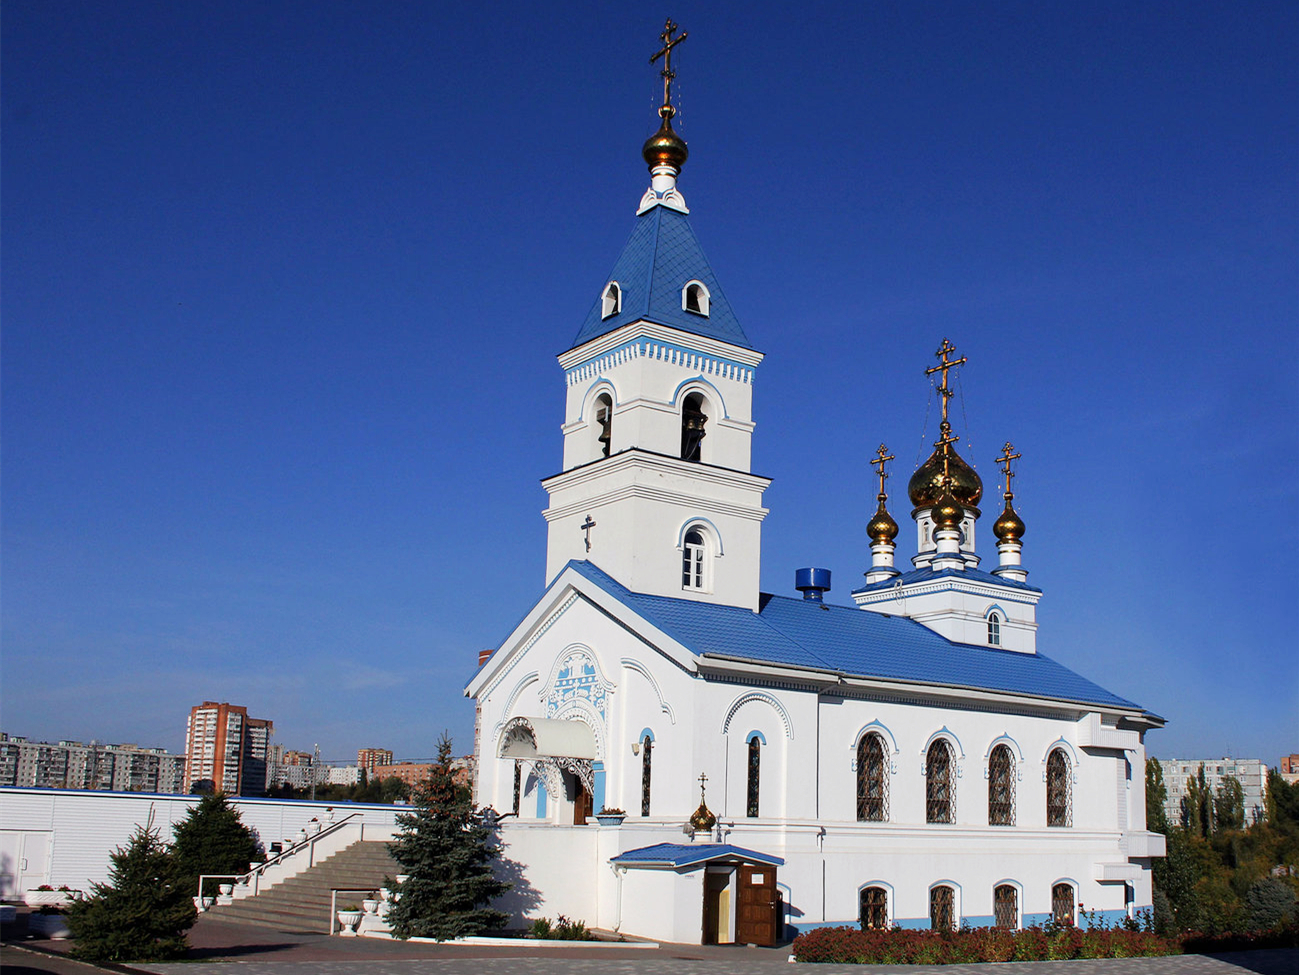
[[583, 805], [756, 920]]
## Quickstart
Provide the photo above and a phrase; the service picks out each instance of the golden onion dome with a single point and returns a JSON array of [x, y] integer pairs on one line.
[[882, 527], [947, 512], [926, 484], [665, 147], [1009, 527], [702, 818]]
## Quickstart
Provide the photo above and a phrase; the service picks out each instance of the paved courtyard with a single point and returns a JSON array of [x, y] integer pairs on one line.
[[228, 949]]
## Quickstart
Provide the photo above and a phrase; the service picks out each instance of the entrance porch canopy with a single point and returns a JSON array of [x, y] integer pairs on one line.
[[549, 738], [676, 855]]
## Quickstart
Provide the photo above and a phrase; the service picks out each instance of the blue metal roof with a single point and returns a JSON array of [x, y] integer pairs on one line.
[[686, 854], [927, 574], [661, 256], [852, 642]]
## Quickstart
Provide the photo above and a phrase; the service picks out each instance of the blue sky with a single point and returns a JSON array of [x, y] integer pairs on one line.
[[282, 291]]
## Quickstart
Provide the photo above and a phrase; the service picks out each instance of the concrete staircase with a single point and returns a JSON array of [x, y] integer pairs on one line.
[[301, 903]]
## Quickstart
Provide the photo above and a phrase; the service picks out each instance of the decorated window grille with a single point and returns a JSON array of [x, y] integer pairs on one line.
[[518, 785], [1062, 904], [646, 755], [755, 770], [874, 909], [942, 908], [1059, 805], [1005, 906], [872, 781], [1001, 787], [939, 805]]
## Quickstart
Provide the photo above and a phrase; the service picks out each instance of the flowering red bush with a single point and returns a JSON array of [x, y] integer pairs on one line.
[[912, 947]]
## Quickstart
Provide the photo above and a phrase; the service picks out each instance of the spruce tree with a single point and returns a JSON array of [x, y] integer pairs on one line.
[[144, 910], [446, 850], [213, 839]]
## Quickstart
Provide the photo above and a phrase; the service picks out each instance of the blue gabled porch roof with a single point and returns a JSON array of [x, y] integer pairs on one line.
[[689, 854], [851, 642]]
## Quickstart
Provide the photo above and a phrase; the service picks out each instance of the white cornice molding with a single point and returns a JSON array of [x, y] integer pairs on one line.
[[642, 329], [694, 503], [970, 587], [636, 459]]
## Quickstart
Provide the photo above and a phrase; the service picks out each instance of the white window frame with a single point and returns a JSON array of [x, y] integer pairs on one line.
[[610, 300], [703, 295]]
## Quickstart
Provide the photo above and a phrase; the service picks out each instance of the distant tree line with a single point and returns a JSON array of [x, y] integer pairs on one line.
[[1221, 875], [388, 790]]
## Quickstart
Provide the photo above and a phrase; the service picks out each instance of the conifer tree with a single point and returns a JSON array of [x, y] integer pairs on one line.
[[446, 851], [213, 839], [144, 910]]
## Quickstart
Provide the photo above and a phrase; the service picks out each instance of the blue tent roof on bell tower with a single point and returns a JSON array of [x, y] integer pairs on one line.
[[660, 259]]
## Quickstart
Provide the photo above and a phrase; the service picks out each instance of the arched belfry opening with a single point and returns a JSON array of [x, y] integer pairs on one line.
[[604, 424], [693, 419]]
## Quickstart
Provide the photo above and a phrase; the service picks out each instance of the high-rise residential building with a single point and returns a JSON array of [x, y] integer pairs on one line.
[[94, 765], [1290, 768], [368, 758], [1251, 773], [226, 750]]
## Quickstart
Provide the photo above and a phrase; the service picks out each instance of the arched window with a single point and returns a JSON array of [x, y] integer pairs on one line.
[[1001, 787], [1062, 904], [647, 750], [874, 912], [611, 300], [693, 419], [694, 298], [872, 782], [1058, 811], [1005, 906], [994, 629], [694, 560], [604, 422], [938, 783], [518, 785], [942, 908], [755, 770]]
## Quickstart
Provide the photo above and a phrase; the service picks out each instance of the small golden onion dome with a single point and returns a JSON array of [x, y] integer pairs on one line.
[[926, 484], [947, 512], [882, 528], [702, 818], [1009, 527], [665, 147]]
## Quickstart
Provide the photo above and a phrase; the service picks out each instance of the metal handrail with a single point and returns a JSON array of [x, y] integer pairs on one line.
[[254, 875]]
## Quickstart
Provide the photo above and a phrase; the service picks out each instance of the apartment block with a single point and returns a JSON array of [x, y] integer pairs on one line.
[[226, 750], [1250, 772], [94, 765]]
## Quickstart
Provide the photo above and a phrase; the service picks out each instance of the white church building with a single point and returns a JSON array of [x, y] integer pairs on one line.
[[780, 763]]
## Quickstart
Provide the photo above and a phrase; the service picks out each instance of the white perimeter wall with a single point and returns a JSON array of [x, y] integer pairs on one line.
[[83, 828]]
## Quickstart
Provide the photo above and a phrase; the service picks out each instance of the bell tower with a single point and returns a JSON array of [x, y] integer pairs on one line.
[[656, 488]]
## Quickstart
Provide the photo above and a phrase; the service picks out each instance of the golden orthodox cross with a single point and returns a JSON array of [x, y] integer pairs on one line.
[[1004, 461], [669, 42], [944, 365], [883, 458], [702, 777]]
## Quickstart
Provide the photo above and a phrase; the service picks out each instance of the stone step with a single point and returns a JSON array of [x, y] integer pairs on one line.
[[302, 903]]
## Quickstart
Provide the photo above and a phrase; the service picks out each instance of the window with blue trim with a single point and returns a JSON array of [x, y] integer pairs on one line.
[[994, 629], [1001, 787], [872, 782], [874, 909], [647, 750], [939, 807], [693, 419], [755, 771]]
